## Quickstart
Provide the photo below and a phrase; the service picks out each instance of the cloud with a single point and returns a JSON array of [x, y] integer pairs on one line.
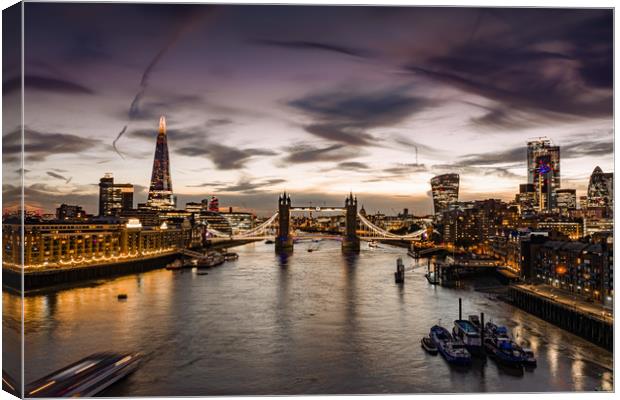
[[352, 166], [47, 84], [514, 155], [549, 75], [245, 184], [193, 142], [313, 46], [345, 115], [40, 145], [58, 176], [224, 157], [586, 148], [307, 154]]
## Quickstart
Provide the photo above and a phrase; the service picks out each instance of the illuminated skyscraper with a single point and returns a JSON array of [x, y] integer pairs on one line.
[[160, 192], [601, 189], [445, 190], [114, 197], [543, 171]]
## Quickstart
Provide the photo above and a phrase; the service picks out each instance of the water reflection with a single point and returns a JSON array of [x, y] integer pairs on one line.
[[309, 322]]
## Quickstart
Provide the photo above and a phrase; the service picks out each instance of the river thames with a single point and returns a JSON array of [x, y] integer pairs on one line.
[[315, 322]]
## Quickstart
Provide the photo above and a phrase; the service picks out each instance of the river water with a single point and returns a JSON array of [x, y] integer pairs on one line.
[[315, 322]]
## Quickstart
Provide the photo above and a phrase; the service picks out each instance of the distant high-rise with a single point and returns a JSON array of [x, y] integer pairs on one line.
[[114, 197], [160, 191], [526, 198], [543, 171], [601, 189], [566, 199], [445, 190], [214, 204]]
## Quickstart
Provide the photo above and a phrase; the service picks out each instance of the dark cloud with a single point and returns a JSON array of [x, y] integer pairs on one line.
[[514, 155], [247, 185], [193, 142], [307, 154], [47, 84], [345, 115], [58, 176], [586, 148], [40, 145], [313, 45], [519, 70], [352, 166], [224, 157]]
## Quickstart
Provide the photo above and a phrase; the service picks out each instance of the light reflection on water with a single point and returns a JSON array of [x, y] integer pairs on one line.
[[317, 322]]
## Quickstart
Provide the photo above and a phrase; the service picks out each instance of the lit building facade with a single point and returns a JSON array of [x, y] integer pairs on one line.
[[114, 198], [59, 245], [566, 200], [576, 267], [526, 198], [160, 192], [601, 189], [445, 191], [68, 212], [543, 171]]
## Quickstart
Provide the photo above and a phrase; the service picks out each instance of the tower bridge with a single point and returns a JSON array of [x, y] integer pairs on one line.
[[357, 227]]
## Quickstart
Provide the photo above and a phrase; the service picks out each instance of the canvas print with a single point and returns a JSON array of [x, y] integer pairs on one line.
[[205, 200]]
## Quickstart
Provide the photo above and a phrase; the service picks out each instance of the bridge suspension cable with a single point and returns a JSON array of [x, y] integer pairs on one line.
[[248, 233], [382, 232]]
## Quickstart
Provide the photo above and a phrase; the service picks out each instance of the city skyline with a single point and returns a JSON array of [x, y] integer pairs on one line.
[[252, 112]]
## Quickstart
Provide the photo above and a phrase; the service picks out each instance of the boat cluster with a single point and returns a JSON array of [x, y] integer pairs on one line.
[[470, 339]]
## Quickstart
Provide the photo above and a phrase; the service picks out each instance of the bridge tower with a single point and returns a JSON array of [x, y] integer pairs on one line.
[[284, 242], [351, 242]]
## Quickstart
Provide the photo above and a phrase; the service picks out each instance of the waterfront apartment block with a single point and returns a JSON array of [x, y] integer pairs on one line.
[[61, 245]]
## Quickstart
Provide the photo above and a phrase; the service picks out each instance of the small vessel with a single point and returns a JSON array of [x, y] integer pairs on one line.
[[210, 261], [399, 275], [451, 349], [269, 241], [310, 250], [373, 243], [231, 256], [86, 377], [202, 273], [498, 344], [467, 332], [475, 321], [175, 265], [122, 296], [528, 358], [428, 345]]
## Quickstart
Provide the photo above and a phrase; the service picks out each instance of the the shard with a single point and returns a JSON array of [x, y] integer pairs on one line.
[[160, 191]]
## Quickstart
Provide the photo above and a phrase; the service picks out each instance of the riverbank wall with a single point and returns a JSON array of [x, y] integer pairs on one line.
[[48, 278], [586, 326]]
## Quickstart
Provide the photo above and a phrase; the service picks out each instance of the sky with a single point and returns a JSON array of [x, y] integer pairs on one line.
[[314, 100]]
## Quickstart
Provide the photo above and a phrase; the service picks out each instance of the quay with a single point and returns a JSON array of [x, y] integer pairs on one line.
[[41, 278], [576, 317]]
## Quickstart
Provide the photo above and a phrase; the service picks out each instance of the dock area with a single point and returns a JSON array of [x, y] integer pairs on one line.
[[588, 320]]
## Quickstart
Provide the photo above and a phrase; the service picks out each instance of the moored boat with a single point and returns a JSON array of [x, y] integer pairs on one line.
[[528, 357], [428, 345], [175, 265], [452, 350], [500, 346], [467, 333]]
